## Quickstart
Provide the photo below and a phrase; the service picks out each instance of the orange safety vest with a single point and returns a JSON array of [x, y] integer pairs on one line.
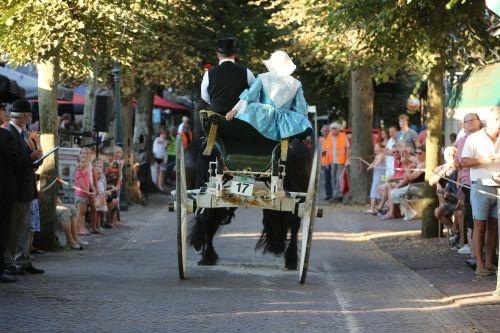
[[186, 138], [340, 146]]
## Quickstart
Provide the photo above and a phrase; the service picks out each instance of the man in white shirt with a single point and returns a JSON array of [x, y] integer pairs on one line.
[[481, 153], [223, 84]]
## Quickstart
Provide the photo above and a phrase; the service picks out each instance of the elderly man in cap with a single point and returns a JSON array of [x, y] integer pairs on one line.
[[17, 256], [336, 150], [223, 84]]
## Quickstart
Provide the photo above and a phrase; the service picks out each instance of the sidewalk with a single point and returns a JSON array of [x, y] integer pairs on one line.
[[432, 259]]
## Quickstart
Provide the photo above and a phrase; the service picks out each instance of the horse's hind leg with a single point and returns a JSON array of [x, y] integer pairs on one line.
[[212, 219], [208, 256], [291, 256]]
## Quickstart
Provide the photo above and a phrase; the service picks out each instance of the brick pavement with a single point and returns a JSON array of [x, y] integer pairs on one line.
[[126, 281]]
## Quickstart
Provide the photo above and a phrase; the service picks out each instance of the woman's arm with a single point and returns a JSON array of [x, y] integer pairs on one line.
[[249, 95], [299, 103]]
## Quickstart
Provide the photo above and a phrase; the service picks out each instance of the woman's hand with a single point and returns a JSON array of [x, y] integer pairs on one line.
[[230, 115]]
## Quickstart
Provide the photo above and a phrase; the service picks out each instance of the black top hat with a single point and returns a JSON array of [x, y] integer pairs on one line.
[[226, 45], [21, 106]]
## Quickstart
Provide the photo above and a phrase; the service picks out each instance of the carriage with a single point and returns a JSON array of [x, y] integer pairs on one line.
[[249, 171]]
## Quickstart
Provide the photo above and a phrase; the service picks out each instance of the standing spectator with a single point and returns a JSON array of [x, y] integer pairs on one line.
[[388, 151], [18, 258], [481, 153], [171, 153], [180, 129], [337, 147], [384, 137], [160, 156], [406, 136], [186, 135], [471, 124], [83, 192], [65, 121], [87, 154], [100, 198], [378, 167], [112, 172], [8, 163], [326, 163]]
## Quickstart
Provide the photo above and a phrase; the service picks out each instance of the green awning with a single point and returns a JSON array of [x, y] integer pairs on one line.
[[478, 93]]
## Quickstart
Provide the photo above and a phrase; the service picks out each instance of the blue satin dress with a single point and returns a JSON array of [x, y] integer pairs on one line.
[[273, 122]]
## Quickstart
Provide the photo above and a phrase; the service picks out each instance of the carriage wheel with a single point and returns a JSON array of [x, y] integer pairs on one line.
[[309, 214], [181, 209]]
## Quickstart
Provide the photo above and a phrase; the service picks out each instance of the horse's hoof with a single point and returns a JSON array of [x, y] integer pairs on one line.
[[207, 262]]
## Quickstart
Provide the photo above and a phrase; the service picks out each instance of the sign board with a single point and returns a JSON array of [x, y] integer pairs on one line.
[[68, 161]]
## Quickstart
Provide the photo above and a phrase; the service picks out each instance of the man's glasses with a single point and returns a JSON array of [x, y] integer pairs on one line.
[[395, 152]]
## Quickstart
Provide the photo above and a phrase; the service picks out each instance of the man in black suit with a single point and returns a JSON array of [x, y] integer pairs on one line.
[[223, 84], [17, 256], [8, 194]]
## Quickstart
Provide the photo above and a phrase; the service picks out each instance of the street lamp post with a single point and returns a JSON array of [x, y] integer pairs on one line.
[[117, 71]]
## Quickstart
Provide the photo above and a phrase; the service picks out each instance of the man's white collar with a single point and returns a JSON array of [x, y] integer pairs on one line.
[[19, 129], [226, 59]]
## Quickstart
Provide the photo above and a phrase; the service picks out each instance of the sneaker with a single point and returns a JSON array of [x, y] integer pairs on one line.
[[471, 262], [82, 243], [464, 249]]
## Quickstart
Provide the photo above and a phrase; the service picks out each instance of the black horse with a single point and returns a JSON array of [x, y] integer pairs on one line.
[[276, 225]]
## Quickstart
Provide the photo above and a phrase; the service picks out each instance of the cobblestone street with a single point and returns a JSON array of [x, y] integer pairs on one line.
[[127, 281]]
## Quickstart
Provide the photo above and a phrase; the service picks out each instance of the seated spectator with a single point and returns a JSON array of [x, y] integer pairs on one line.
[[447, 191], [378, 167], [383, 188], [407, 186]]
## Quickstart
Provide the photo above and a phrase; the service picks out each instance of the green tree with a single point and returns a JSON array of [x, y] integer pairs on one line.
[[424, 37], [66, 37]]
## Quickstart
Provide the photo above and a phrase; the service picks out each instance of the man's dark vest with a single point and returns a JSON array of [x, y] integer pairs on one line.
[[226, 82]]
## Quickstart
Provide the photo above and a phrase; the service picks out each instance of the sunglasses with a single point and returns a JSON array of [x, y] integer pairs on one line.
[[395, 152]]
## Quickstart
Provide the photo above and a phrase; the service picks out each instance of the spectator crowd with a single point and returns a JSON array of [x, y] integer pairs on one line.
[[467, 199]]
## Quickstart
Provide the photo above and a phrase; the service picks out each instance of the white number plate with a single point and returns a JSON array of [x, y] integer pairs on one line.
[[242, 186]]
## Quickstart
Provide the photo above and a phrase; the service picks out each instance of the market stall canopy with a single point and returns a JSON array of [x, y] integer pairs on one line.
[[30, 85], [162, 103], [75, 106], [478, 93], [10, 90]]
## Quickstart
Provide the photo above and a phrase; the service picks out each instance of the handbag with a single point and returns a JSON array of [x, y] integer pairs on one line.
[[344, 181]]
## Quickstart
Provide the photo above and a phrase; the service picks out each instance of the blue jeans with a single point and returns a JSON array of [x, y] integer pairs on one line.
[[328, 180]]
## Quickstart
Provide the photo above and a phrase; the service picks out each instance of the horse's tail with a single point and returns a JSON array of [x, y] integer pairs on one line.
[[277, 224], [274, 234]]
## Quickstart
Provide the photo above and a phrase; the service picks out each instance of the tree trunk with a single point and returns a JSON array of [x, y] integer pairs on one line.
[[127, 120], [430, 227], [361, 115], [88, 111], [143, 126], [48, 75]]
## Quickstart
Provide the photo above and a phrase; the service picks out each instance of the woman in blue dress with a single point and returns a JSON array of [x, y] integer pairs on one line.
[[274, 105]]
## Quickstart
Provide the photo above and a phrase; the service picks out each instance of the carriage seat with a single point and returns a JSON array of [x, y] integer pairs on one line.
[[241, 146]]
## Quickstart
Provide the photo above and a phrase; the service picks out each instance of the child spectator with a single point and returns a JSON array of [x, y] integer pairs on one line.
[[82, 194], [113, 178], [378, 167], [100, 199]]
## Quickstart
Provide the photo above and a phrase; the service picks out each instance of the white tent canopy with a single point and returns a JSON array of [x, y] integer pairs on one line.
[[30, 85]]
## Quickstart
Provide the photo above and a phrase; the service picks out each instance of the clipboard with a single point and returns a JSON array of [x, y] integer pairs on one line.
[[53, 150]]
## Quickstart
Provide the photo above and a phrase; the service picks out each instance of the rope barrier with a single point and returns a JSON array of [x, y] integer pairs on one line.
[[434, 172]]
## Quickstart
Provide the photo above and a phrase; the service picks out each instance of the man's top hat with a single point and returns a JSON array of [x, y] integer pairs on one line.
[[21, 106], [226, 45]]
